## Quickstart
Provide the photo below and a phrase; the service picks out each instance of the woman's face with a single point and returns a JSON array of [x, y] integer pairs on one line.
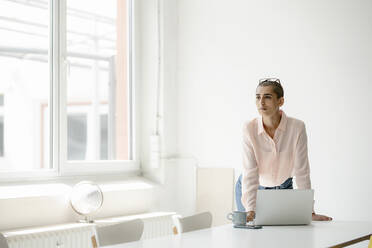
[[267, 101]]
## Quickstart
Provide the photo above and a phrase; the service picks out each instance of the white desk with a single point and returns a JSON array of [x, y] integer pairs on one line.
[[318, 234]]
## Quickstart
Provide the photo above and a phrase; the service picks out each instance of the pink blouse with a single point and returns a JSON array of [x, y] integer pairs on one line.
[[269, 162]]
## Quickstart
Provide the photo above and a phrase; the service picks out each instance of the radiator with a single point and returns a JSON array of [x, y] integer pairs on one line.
[[79, 235], [61, 237]]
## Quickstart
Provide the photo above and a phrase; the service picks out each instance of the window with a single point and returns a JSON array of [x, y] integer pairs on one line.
[[65, 86], [24, 85], [1, 136], [1, 126]]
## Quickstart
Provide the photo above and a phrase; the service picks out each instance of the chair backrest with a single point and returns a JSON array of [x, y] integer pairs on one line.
[[192, 223], [120, 233], [3, 242]]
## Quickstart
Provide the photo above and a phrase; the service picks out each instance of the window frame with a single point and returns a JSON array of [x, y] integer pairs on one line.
[[58, 66], [2, 158]]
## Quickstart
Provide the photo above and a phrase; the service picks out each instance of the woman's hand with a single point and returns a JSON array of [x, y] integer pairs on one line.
[[319, 217], [250, 215]]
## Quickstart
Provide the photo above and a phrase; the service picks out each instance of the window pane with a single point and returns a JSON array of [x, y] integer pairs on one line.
[[24, 85], [77, 136], [1, 126], [96, 47], [1, 136], [104, 133]]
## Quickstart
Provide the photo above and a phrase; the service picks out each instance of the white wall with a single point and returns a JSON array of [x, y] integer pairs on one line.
[[321, 50], [148, 83]]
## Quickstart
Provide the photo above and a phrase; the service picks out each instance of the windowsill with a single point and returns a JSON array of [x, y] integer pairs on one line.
[[63, 186], [46, 203], [33, 190], [71, 171]]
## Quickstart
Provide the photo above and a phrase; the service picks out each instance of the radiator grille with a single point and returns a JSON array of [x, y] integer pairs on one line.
[[79, 235]]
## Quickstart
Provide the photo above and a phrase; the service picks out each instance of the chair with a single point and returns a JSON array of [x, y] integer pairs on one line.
[[191, 223], [120, 233], [3, 242]]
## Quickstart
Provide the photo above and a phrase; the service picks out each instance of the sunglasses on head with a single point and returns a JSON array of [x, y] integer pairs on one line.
[[274, 80]]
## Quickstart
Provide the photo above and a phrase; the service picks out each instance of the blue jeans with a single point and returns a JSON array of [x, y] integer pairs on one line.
[[288, 184]]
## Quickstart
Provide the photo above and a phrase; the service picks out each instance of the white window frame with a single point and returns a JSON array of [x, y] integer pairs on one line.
[[58, 111], [2, 158]]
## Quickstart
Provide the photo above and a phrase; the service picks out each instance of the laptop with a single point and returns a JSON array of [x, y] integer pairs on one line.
[[284, 207]]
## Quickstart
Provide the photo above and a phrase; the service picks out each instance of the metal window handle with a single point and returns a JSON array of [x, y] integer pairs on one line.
[[67, 65], [59, 245]]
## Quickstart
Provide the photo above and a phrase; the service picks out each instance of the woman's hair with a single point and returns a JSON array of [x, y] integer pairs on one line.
[[275, 82]]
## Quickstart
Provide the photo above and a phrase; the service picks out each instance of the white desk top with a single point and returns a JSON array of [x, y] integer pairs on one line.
[[317, 234]]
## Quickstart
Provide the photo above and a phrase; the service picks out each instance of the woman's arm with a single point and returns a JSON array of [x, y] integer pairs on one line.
[[250, 173], [301, 161], [302, 169]]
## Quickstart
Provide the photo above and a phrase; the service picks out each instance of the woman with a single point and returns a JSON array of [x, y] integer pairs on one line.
[[274, 150]]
